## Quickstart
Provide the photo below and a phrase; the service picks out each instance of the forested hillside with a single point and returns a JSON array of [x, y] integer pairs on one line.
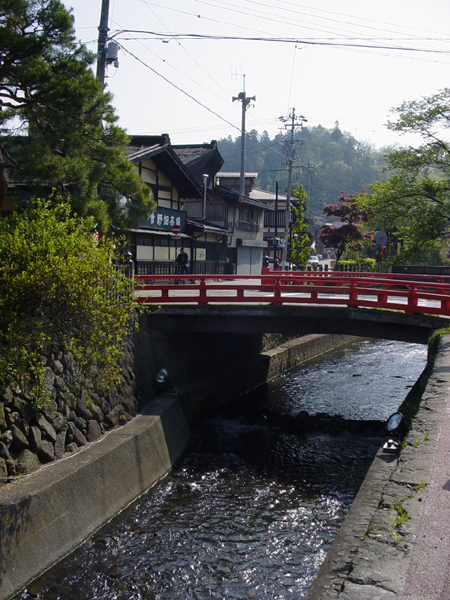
[[331, 162]]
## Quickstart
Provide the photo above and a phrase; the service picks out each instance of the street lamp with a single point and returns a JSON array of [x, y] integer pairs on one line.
[[395, 427], [205, 187]]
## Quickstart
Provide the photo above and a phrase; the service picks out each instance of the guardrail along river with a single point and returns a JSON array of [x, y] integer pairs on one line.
[[253, 507]]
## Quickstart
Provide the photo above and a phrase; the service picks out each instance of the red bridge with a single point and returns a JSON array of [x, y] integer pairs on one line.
[[411, 295]]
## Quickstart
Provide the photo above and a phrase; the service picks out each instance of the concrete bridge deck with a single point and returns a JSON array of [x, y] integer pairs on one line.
[[297, 319]]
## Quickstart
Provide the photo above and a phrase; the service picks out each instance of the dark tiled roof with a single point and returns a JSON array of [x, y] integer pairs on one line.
[[161, 151], [200, 159], [188, 154]]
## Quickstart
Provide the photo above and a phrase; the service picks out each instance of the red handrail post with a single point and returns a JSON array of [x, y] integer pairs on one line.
[[382, 299], [277, 301], [265, 271], [413, 300], [202, 297], [353, 295], [445, 307]]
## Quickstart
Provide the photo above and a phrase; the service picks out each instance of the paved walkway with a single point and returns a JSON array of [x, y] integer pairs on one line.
[[428, 576]]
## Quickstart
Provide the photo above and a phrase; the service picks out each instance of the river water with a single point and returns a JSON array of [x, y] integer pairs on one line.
[[251, 510]]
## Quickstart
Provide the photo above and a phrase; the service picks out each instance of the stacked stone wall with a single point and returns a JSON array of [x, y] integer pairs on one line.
[[74, 415]]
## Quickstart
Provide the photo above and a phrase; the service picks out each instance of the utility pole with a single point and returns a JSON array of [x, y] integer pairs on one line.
[[275, 247], [308, 213], [102, 38], [241, 97], [295, 121]]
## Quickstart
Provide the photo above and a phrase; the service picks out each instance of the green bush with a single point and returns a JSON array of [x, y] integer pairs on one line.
[[369, 264], [59, 289]]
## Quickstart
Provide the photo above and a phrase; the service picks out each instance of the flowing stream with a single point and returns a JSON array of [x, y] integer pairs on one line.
[[253, 507]]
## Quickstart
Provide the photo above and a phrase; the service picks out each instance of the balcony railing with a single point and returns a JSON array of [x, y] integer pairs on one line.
[[245, 226]]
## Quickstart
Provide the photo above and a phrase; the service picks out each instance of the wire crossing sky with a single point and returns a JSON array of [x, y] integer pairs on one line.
[[344, 61]]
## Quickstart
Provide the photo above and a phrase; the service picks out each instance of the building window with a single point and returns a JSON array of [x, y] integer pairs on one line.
[[215, 212], [269, 218], [144, 240]]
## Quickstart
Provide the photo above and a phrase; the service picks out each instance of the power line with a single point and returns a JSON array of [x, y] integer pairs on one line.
[[309, 42], [228, 7], [148, 5], [163, 60], [292, 77], [353, 17], [341, 21], [271, 19]]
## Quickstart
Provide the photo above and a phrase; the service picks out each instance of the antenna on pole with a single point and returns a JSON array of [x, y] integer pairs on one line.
[[242, 97]]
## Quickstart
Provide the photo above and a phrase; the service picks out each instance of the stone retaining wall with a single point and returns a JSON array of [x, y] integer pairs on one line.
[[30, 438]]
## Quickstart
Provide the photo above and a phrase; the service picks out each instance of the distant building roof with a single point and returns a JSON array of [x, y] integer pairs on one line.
[[205, 226], [231, 196], [266, 196], [189, 153], [141, 145], [234, 174]]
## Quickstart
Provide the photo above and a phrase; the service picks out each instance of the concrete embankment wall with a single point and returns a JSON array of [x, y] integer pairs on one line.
[[49, 513], [202, 398]]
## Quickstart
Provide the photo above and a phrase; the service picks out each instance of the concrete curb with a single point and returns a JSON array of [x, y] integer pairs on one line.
[[376, 554], [49, 513]]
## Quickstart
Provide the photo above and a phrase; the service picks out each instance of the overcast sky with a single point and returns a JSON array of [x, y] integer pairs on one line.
[[184, 86]]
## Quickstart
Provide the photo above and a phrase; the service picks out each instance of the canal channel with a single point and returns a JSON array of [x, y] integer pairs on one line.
[[252, 508]]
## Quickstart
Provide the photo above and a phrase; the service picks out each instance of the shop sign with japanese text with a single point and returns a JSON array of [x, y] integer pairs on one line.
[[165, 218]]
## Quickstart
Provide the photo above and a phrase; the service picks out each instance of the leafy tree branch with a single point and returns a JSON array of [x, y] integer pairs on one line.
[[347, 231], [60, 288], [415, 200]]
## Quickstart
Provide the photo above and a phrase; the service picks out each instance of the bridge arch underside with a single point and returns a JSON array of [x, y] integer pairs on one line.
[[300, 320]]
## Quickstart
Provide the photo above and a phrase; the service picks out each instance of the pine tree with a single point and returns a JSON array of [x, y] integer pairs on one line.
[[57, 125]]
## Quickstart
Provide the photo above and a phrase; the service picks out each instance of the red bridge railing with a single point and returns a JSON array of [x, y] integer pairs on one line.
[[426, 294]]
